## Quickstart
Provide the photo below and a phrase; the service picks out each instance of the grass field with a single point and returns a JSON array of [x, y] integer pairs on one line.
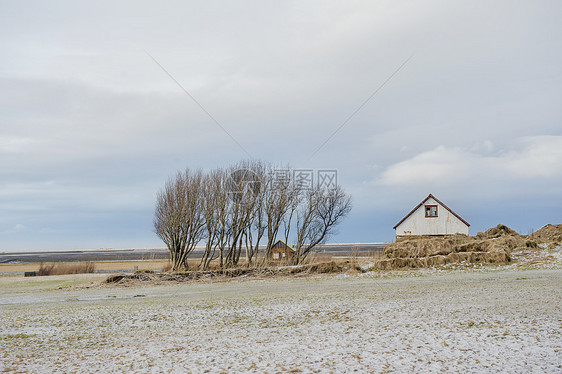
[[106, 266], [453, 321], [16, 269]]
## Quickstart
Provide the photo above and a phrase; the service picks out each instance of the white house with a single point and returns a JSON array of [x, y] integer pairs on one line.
[[431, 217]]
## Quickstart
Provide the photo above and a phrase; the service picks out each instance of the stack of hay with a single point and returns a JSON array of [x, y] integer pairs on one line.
[[549, 234], [493, 246]]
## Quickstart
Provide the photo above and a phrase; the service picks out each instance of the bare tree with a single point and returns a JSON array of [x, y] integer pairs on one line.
[[235, 208], [255, 231], [322, 209], [278, 198], [178, 218], [293, 204], [215, 211], [244, 190]]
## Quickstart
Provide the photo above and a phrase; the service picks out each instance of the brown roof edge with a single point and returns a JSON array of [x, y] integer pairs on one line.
[[449, 209], [423, 201], [286, 245]]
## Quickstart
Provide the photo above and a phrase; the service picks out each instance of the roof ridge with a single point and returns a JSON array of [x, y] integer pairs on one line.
[[423, 201]]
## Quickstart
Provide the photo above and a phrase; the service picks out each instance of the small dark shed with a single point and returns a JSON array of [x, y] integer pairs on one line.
[[281, 251]]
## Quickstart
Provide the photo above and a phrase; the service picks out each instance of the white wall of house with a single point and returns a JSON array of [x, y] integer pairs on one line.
[[444, 224]]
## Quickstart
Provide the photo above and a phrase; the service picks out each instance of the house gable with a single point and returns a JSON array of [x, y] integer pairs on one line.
[[431, 217], [280, 250]]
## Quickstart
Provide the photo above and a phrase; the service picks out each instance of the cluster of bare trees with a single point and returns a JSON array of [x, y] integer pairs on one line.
[[237, 209]]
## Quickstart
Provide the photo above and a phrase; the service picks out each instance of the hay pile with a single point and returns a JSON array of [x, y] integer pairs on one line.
[[496, 232], [549, 234], [493, 246]]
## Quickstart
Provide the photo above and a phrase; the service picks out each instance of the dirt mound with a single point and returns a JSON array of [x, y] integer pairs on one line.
[[547, 234]]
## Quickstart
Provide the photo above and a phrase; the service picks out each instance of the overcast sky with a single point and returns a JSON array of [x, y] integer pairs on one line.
[[91, 126]]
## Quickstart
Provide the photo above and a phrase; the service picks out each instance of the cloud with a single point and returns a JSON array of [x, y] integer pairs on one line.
[[437, 165], [540, 157], [533, 157], [90, 127]]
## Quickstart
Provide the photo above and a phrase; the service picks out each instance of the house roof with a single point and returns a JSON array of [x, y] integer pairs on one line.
[[282, 244], [430, 196]]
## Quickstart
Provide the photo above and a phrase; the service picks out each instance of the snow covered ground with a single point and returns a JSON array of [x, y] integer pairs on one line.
[[507, 320]]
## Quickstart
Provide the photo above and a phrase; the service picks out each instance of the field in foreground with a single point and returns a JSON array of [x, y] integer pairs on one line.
[[492, 320]]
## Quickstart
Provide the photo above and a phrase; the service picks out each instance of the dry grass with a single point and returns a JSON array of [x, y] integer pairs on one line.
[[316, 258], [101, 266], [493, 246], [66, 268], [417, 247], [548, 234], [376, 255], [496, 232], [167, 267], [224, 274], [436, 260]]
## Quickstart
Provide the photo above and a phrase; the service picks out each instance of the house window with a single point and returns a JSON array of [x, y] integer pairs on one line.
[[431, 210]]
